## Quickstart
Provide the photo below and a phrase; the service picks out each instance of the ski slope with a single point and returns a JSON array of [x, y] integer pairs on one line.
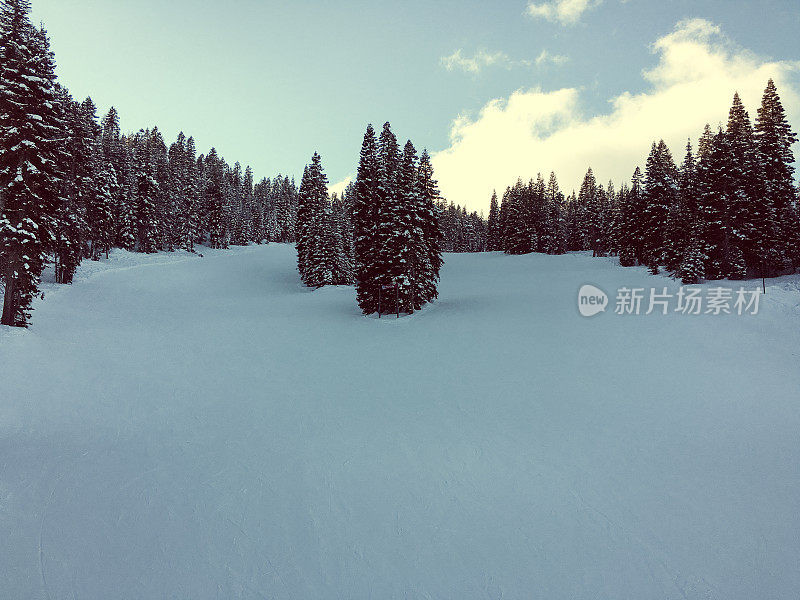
[[183, 427]]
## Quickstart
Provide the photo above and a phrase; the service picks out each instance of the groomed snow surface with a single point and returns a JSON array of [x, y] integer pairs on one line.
[[183, 427]]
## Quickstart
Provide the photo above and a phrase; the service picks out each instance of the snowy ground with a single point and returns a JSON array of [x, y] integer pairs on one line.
[[178, 427]]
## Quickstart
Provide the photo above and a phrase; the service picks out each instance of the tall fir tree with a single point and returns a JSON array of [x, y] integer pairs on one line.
[[366, 209], [493, 233], [30, 134], [774, 139], [660, 190]]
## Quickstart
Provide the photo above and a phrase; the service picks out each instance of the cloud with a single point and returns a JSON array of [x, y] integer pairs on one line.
[[484, 58], [566, 12], [545, 57], [535, 130], [340, 186], [481, 59]]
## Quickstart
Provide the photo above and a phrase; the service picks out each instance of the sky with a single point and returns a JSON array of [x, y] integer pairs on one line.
[[493, 90]]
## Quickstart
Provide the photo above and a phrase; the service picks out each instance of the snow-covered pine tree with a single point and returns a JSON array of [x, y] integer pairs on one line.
[[518, 227], [146, 221], [774, 139], [415, 271], [311, 225], [715, 190], [262, 193], [704, 143], [342, 239], [556, 218], [101, 210], [692, 267], [747, 211], [69, 224], [176, 157], [660, 189], [366, 209], [430, 199], [248, 207], [76, 229], [589, 198], [189, 213], [492, 233], [214, 199], [126, 198], [235, 200], [30, 134], [681, 213], [538, 213], [389, 215]]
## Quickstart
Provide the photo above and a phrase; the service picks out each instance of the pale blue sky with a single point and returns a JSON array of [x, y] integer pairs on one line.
[[268, 83]]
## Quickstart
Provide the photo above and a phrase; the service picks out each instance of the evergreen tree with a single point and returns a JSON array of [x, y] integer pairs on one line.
[[389, 215], [101, 211], [556, 240], [660, 189], [747, 210], [29, 135], [493, 233], [311, 225], [147, 191], [681, 213], [214, 200], [778, 241], [366, 209]]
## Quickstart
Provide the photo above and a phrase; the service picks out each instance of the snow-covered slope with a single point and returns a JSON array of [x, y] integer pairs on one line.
[[178, 427]]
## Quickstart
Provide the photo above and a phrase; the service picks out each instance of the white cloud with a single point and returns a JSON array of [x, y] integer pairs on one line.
[[566, 12], [474, 64], [483, 58], [340, 186], [534, 130], [545, 57]]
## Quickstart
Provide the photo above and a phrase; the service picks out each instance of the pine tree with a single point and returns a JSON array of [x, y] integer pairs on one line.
[[493, 233], [556, 218], [716, 196], [30, 132], [311, 225], [692, 267], [147, 192], [214, 200], [660, 189], [590, 198], [189, 211], [774, 139], [101, 211], [388, 215], [126, 199], [747, 211], [681, 213], [366, 209]]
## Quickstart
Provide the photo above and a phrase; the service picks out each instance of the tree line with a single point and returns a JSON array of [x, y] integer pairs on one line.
[[728, 211], [72, 188]]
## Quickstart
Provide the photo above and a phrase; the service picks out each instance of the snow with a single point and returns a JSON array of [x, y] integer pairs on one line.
[[183, 427]]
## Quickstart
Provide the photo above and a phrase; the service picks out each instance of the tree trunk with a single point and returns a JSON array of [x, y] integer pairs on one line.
[[9, 306]]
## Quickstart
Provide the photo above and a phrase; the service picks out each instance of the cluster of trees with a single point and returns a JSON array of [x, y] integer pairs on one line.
[[385, 230], [396, 231], [532, 217], [730, 211], [324, 231], [72, 188], [462, 231]]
